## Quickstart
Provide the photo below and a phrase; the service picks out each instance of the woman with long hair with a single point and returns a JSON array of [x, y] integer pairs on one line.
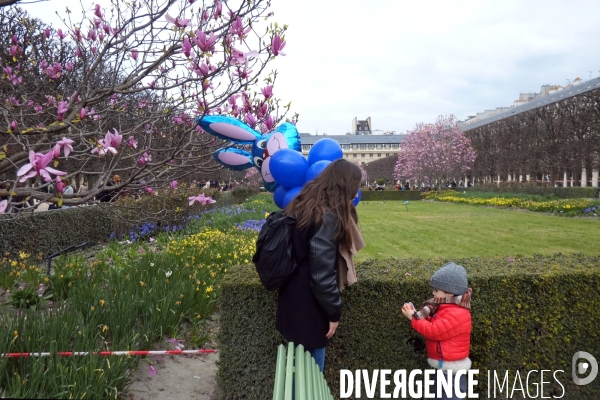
[[309, 305]]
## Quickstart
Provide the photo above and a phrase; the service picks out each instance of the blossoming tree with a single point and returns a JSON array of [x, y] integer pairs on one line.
[[433, 153], [117, 93]]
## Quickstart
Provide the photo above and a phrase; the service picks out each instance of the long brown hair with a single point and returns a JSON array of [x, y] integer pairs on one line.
[[333, 190]]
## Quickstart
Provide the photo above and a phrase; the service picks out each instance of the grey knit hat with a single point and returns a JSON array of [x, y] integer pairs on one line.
[[451, 278]]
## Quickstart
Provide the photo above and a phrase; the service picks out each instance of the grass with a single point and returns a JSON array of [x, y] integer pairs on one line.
[[433, 229]]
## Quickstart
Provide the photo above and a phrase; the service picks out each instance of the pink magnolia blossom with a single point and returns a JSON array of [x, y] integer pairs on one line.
[[186, 47], [179, 22], [109, 143], [218, 9], [62, 109], [3, 206], [38, 109], [66, 145], [267, 91], [152, 371], [145, 158], [237, 28], [82, 113], [204, 43], [132, 142], [134, 54], [149, 190], [60, 34], [173, 185], [13, 125], [60, 186], [97, 11], [277, 44], [201, 199], [269, 122], [38, 166], [47, 33]]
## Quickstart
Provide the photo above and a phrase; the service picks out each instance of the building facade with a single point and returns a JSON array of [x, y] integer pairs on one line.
[[358, 148]]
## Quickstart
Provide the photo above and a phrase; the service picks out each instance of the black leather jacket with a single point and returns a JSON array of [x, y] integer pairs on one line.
[[322, 260]]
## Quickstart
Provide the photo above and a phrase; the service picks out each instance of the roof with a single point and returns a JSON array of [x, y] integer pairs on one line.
[[563, 94], [307, 138]]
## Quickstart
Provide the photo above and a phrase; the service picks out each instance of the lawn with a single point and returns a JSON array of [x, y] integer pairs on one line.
[[433, 229]]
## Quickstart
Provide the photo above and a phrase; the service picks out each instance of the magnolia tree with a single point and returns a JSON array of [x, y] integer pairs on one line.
[[434, 153], [117, 92]]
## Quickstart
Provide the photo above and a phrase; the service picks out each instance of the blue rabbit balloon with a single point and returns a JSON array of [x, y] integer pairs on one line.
[[285, 136]]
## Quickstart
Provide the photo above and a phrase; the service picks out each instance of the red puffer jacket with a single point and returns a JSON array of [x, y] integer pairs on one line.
[[447, 332]]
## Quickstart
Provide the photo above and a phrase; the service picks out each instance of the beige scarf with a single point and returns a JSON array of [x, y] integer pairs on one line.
[[345, 267]]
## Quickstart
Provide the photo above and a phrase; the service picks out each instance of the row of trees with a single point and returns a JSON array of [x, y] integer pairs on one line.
[[545, 141], [118, 91]]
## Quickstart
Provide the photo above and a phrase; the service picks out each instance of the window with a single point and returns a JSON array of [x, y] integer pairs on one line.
[[363, 155], [379, 146], [354, 155], [363, 146], [378, 154], [371, 155], [371, 146]]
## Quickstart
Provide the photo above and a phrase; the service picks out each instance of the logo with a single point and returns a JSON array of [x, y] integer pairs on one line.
[[581, 367]]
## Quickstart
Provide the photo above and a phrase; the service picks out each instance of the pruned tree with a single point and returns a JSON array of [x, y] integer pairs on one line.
[[118, 92]]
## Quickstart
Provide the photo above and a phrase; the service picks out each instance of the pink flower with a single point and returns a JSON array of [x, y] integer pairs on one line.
[[218, 9], [179, 22], [82, 113], [152, 240], [109, 143], [132, 142], [3, 206], [38, 166], [267, 91], [250, 120], [60, 34], [47, 33], [13, 126], [277, 45], [134, 54], [201, 199], [66, 145], [152, 371], [204, 43], [38, 109], [97, 11], [186, 47], [237, 28], [62, 108], [149, 190], [60, 186], [145, 158], [173, 185]]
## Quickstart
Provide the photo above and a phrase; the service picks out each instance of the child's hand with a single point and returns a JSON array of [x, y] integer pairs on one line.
[[408, 310]]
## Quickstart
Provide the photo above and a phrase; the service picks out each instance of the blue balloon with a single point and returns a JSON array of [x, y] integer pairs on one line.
[[293, 192], [315, 169], [325, 149], [356, 199], [279, 195], [288, 167]]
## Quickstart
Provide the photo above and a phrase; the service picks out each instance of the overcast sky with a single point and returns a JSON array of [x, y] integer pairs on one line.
[[404, 62]]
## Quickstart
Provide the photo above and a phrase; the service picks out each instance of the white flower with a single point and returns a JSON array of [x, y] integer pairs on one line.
[[168, 273]]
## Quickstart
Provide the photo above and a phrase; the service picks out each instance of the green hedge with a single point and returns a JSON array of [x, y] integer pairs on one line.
[[383, 195], [50, 231], [532, 188], [528, 313], [47, 232]]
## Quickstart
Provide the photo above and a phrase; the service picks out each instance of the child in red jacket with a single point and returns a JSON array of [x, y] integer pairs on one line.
[[445, 322]]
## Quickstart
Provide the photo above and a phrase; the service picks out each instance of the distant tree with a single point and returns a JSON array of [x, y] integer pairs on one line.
[[434, 153]]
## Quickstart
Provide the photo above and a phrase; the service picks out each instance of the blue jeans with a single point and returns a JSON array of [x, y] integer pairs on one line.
[[319, 355], [462, 385]]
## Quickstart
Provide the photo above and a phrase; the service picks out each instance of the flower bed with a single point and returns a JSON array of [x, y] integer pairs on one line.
[[129, 297], [560, 206]]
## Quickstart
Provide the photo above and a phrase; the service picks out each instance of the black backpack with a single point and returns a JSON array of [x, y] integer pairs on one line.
[[274, 258]]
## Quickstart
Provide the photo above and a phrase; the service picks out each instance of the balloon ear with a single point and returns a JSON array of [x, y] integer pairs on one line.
[[228, 128], [235, 159], [356, 199]]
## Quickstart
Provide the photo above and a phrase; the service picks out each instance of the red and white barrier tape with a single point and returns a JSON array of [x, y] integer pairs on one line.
[[108, 353]]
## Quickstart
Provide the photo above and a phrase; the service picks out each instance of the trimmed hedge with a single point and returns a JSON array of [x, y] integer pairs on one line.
[[528, 313], [532, 188], [383, 195], [50, 231]]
